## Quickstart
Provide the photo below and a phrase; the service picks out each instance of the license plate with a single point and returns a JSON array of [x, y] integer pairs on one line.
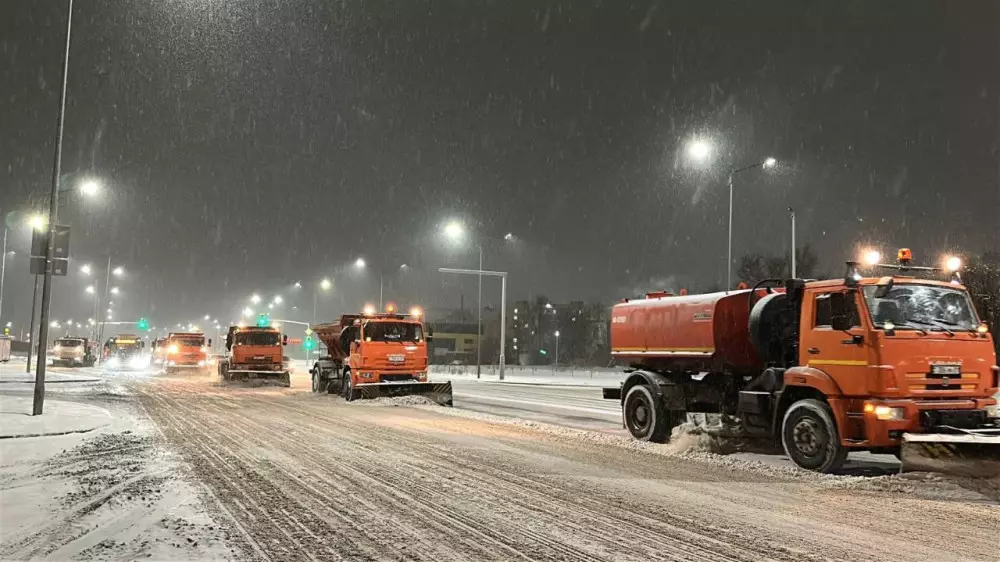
[[397, 358], [942, 369]]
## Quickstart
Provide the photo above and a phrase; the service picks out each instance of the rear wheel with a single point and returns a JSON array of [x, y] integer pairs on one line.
[[224, 371], [286, 379], [645, 417], [319, 383], [809, 436]]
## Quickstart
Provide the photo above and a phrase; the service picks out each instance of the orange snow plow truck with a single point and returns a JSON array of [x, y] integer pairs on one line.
[[891, 364], [371, 355], [183, 351], [255, 352]]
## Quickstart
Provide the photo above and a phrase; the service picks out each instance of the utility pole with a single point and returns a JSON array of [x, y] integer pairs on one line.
[[43, 332], [791, 212]]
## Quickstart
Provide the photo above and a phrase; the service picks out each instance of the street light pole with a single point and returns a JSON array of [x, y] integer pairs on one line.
[[43, 331], [107, 285], [31, 325], [3, 267], [767, 163], [791, 212], [503, 305], [479, 318]]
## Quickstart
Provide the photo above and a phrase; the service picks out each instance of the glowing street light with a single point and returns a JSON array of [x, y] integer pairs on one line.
[[90, 289], [699, 150], [360, 263], [207, 316], [37, 221], [325, 284], [247, 312], [85, 269], [298, 285], [769, 162], [454, 230], [278, 299], [90, 188], [118, 271], [115, 290], [255, 298]]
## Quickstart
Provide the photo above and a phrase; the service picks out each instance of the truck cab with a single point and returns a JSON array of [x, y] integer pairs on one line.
[[72, 352], [255, 352], [125, 351], [388, 348], [185, 351], [895, 355]]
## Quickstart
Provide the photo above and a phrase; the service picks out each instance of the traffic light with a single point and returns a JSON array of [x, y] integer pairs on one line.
[[143, 325], [263, 321], [543, 352], [308, 344]]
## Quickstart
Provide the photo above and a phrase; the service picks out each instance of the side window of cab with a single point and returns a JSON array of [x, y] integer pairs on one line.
[[828, 306]]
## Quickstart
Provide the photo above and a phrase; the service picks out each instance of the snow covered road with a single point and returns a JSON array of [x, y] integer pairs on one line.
[[207, 470]]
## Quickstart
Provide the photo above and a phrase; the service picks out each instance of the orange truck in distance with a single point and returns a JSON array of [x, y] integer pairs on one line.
[[255, 352], [892, 364], [182, 351], [371, 355]]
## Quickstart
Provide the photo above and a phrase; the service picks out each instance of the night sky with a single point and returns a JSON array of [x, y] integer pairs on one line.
[[246, 145]]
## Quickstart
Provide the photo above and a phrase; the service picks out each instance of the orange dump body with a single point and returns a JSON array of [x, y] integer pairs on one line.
[[700, 331]]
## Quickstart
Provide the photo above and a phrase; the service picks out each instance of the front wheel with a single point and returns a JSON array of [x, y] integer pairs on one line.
[[809, 436], [645, 417], [318, 382], [347, 387]]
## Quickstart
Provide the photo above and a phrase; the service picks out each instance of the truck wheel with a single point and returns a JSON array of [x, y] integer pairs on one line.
[[286, 379], [347, 387], [809, 436], [645, 417], [224, 371], [317, 383]]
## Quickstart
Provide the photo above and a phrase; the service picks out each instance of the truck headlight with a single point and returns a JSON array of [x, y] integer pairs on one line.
[[887, 413], [366, 375]]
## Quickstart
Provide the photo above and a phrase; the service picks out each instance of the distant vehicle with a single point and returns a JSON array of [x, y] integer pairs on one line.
[[125, 351], [73, 352], [254, 352], [372, 355], [185, 351], [158, 353], [4, 349], [893, 364]]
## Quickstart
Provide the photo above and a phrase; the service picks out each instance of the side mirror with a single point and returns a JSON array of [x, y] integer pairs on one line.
[[430, 335], [840, 311], [284, 339]]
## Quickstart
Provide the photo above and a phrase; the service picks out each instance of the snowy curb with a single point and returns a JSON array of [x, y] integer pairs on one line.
[[59, 418]]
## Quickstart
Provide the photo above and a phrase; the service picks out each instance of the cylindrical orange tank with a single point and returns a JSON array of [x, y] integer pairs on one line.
[[706, 332]]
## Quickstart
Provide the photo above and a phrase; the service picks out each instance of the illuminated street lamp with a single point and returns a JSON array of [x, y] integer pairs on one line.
[[872, 257], [699, 150], [115, 290], [85, 269], [278, 299], [90, 289], [90, 188], [255, 298], [360, 263], [118, 271]]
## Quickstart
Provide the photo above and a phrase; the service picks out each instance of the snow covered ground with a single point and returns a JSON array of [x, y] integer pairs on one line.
[[90, 478]]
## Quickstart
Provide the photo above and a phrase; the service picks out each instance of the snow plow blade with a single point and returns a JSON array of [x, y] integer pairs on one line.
[[968, 453], [439, 392]]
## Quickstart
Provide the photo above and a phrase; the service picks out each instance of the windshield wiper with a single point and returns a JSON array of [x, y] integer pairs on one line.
[[934, 323], [906, 324]]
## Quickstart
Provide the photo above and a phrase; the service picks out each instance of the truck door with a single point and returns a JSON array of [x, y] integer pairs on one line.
[[842, 354]]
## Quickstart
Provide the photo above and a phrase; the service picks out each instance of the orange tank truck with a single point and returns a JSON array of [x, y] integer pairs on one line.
[[371, 355], [255, 352], [893, 364], [183, 351]]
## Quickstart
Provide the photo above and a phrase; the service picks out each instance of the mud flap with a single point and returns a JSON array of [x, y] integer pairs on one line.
[[972, 454], [439, 392]]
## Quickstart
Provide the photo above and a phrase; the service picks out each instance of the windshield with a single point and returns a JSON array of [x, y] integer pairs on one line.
[[124, 344], [930, 307], [257, 338], [69, 342], [189, 341], [393, 331]]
